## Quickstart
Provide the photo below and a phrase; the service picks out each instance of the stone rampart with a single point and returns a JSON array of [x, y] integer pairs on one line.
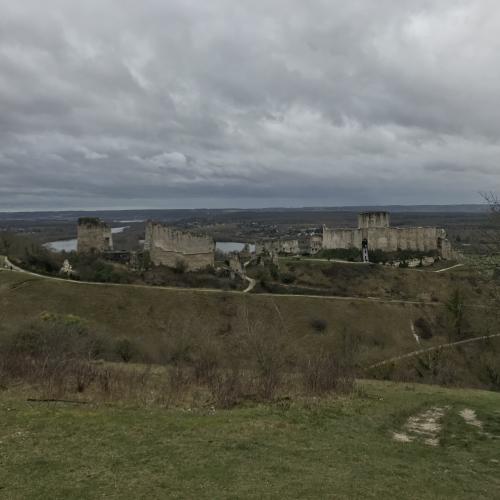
[[389, 239], [168, 246], [311, 244], [286, 246]]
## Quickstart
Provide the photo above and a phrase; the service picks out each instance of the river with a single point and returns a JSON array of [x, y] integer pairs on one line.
[[70, 245]]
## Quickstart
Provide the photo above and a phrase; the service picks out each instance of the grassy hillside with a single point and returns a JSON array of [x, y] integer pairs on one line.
[[333, 448], [320, 276], [153, 316]]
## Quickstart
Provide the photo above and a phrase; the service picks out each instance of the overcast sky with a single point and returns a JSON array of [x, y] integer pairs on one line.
[[220, 103]]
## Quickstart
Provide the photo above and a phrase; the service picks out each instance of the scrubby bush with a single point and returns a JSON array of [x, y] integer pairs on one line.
[[39, 259], [91, 267], [350, 254], [58, 337], [126, 350], [378, 256], [321, 373], [267, 355], [423, 328], [274, 271], [180, 266], [226, 387], [456, 311], [264, 278], [206, 360], [288, 278], [319, 325]]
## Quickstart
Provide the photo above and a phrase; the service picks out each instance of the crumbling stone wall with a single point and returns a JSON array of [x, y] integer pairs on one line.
[[342, 238], [168, 246], [93, 235], [287, 246], [388, 239], [311, 244], [235, 265]]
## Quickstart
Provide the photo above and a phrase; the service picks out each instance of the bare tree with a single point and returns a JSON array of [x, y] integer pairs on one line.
[[490, 237]]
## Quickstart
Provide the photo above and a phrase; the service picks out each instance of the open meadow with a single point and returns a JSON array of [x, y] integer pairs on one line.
[[338, 447]]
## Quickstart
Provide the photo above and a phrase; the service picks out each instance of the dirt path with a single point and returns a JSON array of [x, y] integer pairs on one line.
[[448, 268], [431, 349], [237, 292], [251, 284]]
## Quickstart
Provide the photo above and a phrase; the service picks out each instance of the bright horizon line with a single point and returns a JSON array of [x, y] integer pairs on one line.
[[270, 207]]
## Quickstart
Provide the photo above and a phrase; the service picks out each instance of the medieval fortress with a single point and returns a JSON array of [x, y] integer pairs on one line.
[[171, 247]]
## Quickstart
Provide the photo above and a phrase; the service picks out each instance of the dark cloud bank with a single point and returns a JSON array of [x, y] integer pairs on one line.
[[182, 103]]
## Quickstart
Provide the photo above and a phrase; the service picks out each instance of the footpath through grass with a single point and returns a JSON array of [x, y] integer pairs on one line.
[[337, 448]]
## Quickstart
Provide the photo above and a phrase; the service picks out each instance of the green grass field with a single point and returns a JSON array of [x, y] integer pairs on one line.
[[297, 447], [333, 448]]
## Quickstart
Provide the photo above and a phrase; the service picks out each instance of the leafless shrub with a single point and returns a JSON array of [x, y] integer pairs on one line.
[[268, 356], [320, 373], [206, 360], [180, 378], [226, 388], [323, 373]]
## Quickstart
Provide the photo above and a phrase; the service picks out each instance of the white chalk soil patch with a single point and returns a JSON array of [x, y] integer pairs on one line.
[[470, 418], [425, 426], [415, 335]]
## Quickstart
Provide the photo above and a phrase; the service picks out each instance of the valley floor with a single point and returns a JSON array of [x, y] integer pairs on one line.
[[386, 441]]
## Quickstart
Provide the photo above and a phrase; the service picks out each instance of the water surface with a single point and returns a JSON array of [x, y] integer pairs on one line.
[[70, 245]]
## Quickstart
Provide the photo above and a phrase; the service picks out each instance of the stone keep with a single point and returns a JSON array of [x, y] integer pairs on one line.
[[168, 246], [94, 236], [374, 227], [368, 220]]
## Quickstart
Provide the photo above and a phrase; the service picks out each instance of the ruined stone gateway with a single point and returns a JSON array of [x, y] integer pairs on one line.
[[93, 236], [374, 227], [168, 246]]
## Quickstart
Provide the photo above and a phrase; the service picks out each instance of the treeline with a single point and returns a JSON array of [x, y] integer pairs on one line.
[[24, 250]]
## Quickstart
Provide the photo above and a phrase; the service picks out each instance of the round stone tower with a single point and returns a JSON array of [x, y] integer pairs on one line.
[[367, 220]]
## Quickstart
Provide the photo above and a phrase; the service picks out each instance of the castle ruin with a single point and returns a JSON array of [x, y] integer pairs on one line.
[[283, 246], [168, 247], [93, 236], [374, 229]]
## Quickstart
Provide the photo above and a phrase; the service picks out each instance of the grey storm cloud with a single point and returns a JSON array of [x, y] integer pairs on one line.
[[119, 103]]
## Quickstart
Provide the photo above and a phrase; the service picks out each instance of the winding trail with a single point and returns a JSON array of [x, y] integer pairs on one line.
[[251, 285], [339, 261], [431, 349], [448, 268]]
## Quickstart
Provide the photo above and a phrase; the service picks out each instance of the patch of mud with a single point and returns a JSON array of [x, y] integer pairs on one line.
[[470, 418], [426, 427]]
